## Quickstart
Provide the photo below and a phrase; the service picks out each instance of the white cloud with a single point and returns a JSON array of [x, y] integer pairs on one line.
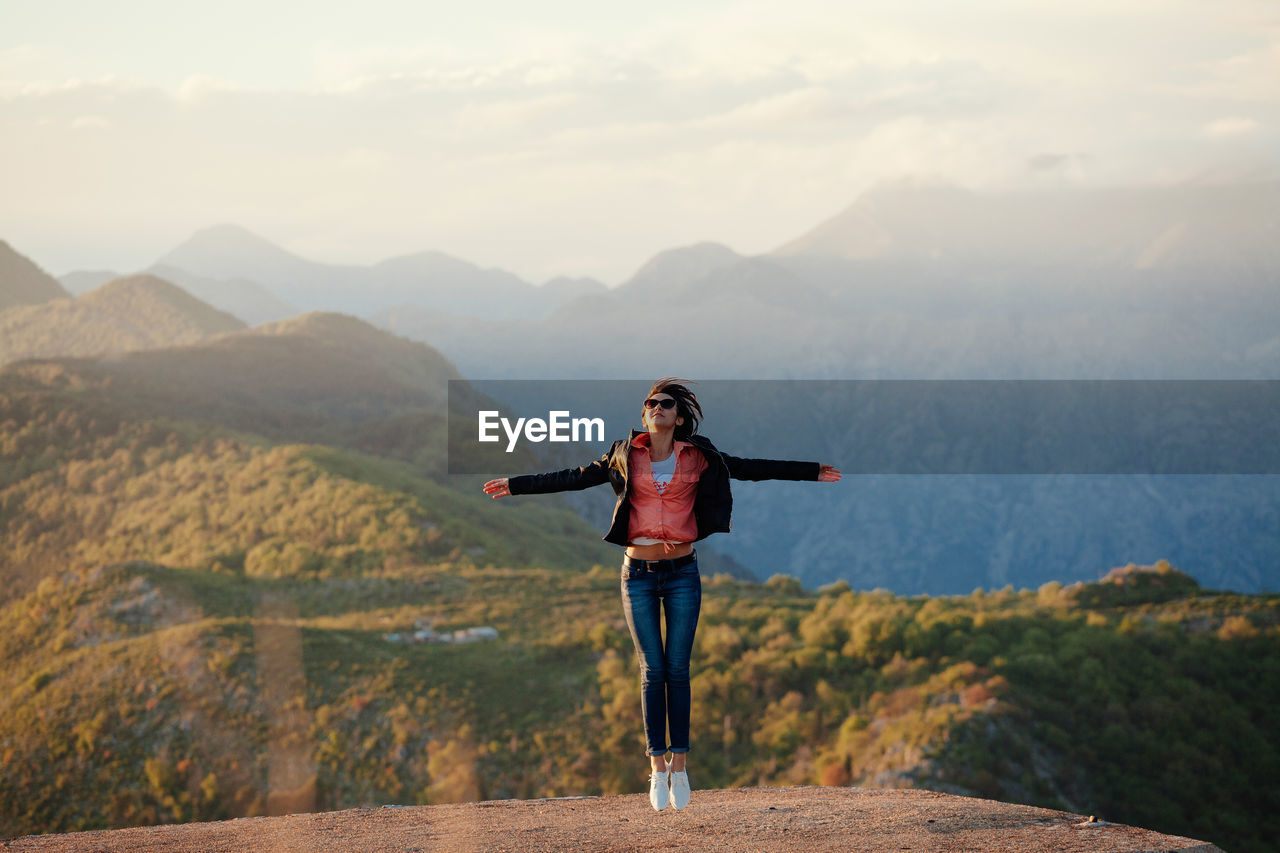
[[1230, 127]]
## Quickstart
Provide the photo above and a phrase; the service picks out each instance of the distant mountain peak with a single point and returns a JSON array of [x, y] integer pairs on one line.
[[236, 236], [319, 324], [676, 268], [230, 251], [429, 258], [22, 282], [144, 292], [338, 329], [925, 219], [139, 283], [136, 312]]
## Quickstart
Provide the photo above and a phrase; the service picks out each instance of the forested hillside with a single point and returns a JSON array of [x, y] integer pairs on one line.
[[134, 313], [139, 693], [201, 592]]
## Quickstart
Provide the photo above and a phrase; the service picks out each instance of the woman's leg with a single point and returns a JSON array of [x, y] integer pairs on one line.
[[682, 600], [640, 603]]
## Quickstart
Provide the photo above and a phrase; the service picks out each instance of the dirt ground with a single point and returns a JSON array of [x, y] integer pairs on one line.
[[754, 819]]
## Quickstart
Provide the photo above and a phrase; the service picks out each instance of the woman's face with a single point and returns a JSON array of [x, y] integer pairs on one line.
[[658, 416]]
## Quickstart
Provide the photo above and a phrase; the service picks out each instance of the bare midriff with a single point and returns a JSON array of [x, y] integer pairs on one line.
[[659, 551]]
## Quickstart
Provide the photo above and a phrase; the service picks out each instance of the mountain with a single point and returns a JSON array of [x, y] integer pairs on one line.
[[675, 270], [24, 283], [965, 285], [133, 313], [247, 300], [1227, 228], [431, 281], [313, 382], [932, 281], [240, 297], [319, 378], [215, 553], [229, 251], [564, 288], [443, 283]]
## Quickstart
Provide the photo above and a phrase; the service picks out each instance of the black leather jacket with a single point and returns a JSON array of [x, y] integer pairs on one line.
[[712, 505]]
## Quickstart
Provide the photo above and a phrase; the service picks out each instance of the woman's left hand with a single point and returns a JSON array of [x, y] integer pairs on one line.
[[827, 473]]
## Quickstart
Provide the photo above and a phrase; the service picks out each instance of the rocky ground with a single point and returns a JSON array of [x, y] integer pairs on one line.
[[755, 819]]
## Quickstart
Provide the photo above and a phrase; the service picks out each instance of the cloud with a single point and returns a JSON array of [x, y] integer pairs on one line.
[[1230, 127], [199, 86], [744, 123], [89, 122], [1047, 162], [1056, 164]]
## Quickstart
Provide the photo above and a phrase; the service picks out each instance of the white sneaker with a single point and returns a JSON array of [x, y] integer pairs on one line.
[[679, 789], [658, 790]]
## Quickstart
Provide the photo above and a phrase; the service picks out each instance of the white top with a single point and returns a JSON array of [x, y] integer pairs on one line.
[[663, 472]]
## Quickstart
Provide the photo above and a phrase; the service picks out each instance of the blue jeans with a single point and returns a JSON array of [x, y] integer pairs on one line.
[[664, 672]]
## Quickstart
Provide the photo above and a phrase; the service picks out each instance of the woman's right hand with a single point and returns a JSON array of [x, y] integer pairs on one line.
[[498, 488]]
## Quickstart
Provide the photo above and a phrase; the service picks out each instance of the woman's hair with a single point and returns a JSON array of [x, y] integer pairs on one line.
[[686, 404]]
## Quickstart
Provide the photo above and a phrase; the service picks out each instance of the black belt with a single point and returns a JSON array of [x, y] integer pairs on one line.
[[660, 565]]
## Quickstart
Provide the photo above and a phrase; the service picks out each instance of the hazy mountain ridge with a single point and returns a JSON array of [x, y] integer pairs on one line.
[[1179, 282], [132, 313], [319, 378], [248, 300], [430, 280], [24, 283], [1226, 227], [240, 297], [673, 270], [961, 298]]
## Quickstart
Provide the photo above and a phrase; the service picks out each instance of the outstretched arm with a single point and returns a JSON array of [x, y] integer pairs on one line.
[[779, 469], [570, 479]]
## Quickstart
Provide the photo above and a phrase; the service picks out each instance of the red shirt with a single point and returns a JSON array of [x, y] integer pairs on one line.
[[665, 514]]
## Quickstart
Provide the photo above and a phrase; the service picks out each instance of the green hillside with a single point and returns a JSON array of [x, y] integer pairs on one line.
[[140, 693], [133, 313], [200, 585], [85, 481]]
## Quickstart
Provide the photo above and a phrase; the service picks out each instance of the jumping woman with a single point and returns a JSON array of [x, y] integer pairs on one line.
[[673, 490]]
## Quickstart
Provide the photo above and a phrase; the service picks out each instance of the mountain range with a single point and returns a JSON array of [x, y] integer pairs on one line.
[[213, 533], [912, 281]]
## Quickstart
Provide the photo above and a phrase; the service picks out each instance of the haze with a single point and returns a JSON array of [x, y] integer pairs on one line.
[[570, 138]]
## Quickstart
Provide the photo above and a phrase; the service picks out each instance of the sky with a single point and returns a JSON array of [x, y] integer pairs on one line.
[[580, 138]]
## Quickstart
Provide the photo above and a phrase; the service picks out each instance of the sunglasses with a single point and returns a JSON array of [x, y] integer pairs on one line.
[[654, 402]]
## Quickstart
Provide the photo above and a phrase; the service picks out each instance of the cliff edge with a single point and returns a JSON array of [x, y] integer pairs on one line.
[[764, 819]]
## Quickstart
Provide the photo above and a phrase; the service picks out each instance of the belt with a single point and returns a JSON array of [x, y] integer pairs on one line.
[[660, 565]]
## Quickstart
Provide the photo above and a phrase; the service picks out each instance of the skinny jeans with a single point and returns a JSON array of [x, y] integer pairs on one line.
[[648, 599]]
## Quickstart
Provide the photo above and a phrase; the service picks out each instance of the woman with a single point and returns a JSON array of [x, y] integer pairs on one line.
[[673, 490]]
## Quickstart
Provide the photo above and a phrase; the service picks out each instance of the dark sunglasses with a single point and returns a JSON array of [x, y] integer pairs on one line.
[[654, 402]]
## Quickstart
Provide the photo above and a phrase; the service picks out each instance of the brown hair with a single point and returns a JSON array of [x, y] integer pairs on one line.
[[686, 404]]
